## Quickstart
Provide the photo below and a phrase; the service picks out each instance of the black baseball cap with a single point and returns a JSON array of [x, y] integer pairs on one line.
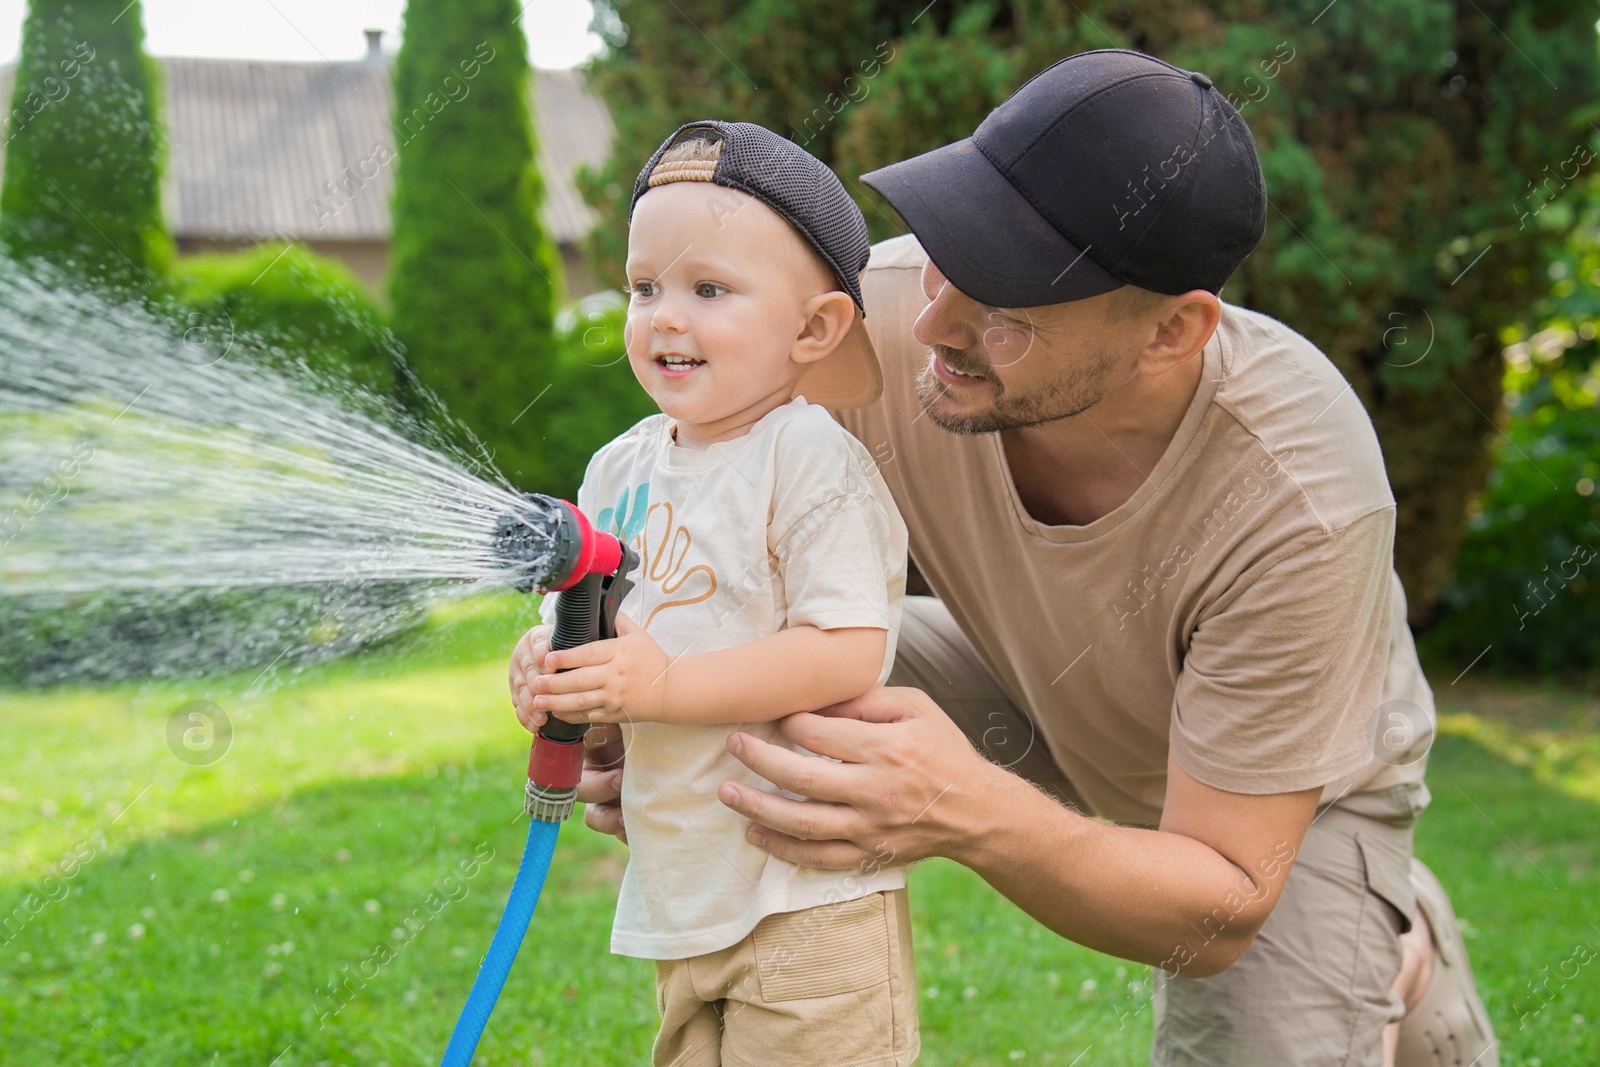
[[801, 188], [1106, 169]]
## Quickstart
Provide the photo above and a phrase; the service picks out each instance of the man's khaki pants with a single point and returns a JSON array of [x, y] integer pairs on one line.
[[1313, 988]]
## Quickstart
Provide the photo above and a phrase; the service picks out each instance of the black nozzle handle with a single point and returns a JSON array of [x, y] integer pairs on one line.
[[588, 612]]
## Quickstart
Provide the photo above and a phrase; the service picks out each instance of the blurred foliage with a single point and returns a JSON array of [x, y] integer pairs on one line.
[[84, 147], [1401, 142], [188, 633], [305, 309], [1527, 581], [474, 278], [593, 395]]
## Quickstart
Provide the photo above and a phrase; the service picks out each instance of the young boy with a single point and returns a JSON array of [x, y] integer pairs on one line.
[[771, 579]]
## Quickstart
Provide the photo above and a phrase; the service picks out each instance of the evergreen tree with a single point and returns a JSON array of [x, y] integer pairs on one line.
[[1400, 142], [84, 147], [474, 278]]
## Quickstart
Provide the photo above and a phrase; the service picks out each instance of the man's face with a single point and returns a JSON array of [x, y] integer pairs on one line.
[[1023, 366], [717, 285]]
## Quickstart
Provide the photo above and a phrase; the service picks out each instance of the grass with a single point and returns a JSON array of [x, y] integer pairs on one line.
[[168, 912]]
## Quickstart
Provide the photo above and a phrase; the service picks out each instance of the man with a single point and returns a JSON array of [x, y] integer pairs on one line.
[[1161, 536]]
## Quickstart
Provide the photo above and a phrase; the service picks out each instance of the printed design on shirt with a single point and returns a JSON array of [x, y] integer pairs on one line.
[[619, 521], [661, 561], [663, 548]]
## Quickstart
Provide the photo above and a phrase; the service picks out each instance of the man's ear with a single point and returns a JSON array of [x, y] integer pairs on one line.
[[1185, 327], [825, 319]]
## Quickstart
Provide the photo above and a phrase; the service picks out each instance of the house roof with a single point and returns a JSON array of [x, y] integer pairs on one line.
[[252, 144]]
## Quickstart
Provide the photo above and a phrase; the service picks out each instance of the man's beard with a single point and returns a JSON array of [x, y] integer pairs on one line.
[[1076, 391]]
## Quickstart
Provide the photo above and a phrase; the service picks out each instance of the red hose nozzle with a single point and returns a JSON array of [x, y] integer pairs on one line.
[[598, 553], [550, 545]]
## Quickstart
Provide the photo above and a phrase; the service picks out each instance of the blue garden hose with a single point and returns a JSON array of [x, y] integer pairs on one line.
[[508, 936], [593, 582]]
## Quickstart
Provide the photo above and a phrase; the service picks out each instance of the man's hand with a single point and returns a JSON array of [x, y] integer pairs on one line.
[[600, 789], [907, 777], [623, 679]]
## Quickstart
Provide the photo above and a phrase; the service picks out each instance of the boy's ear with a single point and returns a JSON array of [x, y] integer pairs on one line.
[[826, 318]]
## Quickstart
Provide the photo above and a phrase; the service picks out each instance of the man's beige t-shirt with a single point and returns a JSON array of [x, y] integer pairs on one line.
[[789, 524], [1240, 609]]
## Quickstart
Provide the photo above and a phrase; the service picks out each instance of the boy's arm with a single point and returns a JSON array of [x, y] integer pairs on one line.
[[630, 678], [800, 668]]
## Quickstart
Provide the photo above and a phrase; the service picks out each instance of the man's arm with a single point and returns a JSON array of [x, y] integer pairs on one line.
[[1188, 897]]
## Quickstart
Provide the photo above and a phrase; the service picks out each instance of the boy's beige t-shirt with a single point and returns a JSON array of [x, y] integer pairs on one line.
[[789, 524], [1240, 609]]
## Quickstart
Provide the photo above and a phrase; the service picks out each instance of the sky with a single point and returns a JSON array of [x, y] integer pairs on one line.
[[308, 30]]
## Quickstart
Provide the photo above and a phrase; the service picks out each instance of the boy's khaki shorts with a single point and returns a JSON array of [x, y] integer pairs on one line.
[[830, 986]]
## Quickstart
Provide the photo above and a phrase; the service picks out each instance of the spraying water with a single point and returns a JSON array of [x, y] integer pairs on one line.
[[170, 502]]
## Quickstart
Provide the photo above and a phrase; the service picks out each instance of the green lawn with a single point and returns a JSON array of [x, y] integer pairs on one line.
[[188, 914]]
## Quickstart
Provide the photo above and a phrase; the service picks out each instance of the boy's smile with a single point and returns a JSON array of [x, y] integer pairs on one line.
[[676, 364]]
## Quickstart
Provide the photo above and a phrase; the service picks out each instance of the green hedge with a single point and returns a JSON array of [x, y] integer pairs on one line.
[[288, 307], [111, 636]]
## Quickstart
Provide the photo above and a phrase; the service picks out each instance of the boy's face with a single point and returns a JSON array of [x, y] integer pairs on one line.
[[718, 282]]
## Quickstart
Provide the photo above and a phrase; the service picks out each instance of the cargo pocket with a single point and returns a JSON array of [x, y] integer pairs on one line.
[[1388, 872], [823, 951]]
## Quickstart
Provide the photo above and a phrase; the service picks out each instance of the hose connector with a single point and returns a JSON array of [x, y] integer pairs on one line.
[[554, 769], [547, 804]]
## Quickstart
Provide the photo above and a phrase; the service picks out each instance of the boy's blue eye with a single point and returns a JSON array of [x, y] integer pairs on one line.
[[641, 288], [707, 290]]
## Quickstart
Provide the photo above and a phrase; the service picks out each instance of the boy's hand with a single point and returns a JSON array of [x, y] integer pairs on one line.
[[620, 680], [527, 664], [600, 790]]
